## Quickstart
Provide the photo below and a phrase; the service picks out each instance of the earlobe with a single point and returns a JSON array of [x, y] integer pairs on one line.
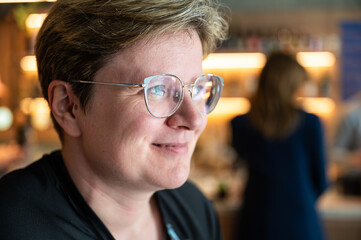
[[63, 105]]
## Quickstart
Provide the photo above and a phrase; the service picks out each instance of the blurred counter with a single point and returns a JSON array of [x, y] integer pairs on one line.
[[333, 205], [341, 215]]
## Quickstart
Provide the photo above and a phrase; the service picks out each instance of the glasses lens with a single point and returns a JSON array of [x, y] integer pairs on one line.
[[163, 95], [206, 93]]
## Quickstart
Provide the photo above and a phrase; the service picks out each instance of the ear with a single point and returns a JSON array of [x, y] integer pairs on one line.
[[64, 106]]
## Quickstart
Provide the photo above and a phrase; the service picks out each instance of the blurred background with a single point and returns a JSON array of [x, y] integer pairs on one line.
[[326, 37]]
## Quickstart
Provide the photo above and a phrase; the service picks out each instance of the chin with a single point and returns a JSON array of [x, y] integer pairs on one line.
[[177, 178], [177, 184]]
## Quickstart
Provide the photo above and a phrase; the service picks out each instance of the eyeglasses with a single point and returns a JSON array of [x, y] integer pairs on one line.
[[164, 93]]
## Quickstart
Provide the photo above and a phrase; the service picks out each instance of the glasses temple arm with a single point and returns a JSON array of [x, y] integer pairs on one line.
[[108, 83]]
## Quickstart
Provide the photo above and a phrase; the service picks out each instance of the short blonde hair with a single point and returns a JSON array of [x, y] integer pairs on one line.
[[79, 36]]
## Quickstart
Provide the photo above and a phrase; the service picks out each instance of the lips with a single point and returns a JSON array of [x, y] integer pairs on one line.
[[162, 145], [174, 148]]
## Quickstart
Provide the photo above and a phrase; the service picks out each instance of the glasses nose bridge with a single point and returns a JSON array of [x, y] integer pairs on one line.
[[189, 87]]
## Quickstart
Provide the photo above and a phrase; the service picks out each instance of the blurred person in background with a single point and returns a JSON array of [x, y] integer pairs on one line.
[[283, 147], [129, 99]]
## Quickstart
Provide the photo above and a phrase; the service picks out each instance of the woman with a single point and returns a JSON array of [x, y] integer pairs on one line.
[[283, 147], [129, 99]]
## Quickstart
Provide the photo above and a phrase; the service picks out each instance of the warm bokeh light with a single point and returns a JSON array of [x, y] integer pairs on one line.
[[38, 110], [316, 59], [318, 105], [25, 105], [40, 114], [28, 63], [34, 21], [3, 89], [234, 60], [231, 105], [6, 118], [257, 60]]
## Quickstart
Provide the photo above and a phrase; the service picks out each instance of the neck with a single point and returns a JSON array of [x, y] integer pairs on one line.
[[127, 213]]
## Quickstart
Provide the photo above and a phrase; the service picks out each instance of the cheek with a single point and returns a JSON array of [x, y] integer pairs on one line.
[[203, 126], [112, 119], [119, 113], [114, 134]]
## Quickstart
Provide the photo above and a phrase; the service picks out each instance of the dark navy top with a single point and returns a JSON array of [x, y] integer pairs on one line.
[[41, 202], [286, 176]]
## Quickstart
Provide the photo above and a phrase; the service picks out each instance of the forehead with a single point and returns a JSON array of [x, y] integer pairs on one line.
[[177, 53]]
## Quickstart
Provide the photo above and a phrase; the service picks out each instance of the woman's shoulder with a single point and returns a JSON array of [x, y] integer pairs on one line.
[[23, 191], [31, 181]]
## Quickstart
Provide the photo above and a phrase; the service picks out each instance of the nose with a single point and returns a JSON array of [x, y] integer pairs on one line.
[[187, 116], [188, 89]]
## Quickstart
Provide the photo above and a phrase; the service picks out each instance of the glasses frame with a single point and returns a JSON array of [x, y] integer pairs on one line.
[[146, 82]]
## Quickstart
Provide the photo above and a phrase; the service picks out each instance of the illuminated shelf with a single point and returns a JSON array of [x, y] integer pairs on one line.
[[230, 106], [257, 60], [234, 60], [318, 105], [316, 59]]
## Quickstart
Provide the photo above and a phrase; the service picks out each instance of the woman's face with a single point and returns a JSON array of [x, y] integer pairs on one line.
[[123, 144]]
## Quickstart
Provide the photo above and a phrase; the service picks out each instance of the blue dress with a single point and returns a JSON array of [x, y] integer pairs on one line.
[[285, 178]]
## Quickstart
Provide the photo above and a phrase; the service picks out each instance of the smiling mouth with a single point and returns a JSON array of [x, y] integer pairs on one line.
[[161, 145], [172, 148]]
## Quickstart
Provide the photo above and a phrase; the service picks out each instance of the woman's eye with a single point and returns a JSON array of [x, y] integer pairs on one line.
[[157, 91], [198, 90]]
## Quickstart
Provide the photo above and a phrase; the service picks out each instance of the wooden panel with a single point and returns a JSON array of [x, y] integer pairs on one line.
[[12, 49]]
